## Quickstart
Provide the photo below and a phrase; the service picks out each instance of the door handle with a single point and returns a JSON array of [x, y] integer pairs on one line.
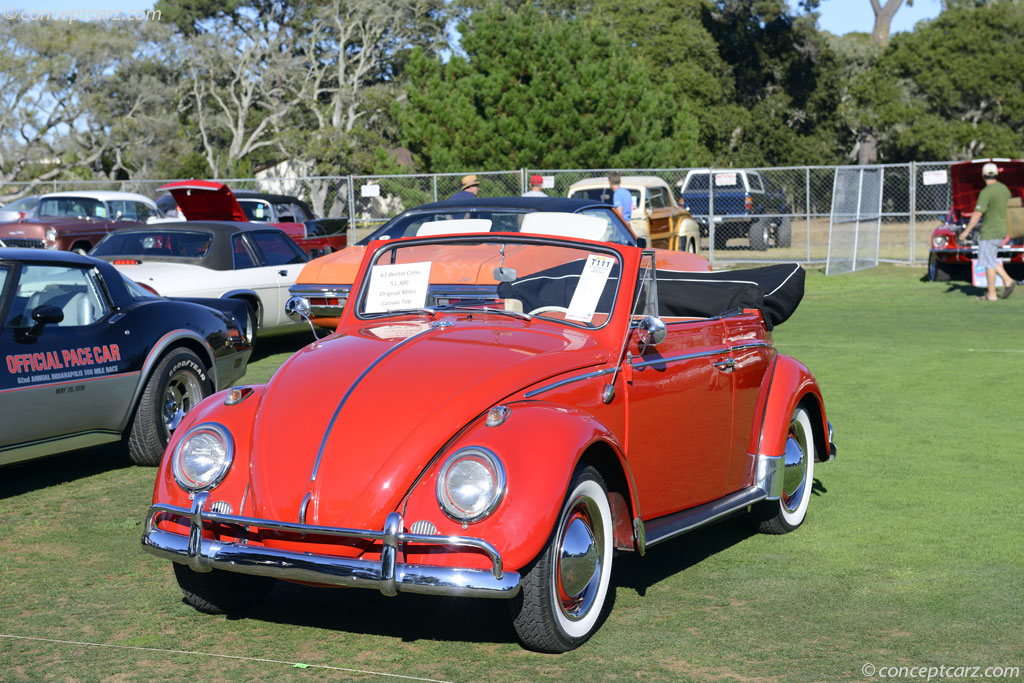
[[283, 273], [726, 365]]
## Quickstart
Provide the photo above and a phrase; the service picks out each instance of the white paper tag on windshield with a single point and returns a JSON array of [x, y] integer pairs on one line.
[[588, 290], [397, 287]]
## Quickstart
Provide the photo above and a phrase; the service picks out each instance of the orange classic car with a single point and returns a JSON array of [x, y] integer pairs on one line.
[[325, 281], [503, 448]]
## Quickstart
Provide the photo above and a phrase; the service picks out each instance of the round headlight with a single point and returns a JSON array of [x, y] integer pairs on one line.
[[471, 484], [51, 235], [203, 457], [939, 241]]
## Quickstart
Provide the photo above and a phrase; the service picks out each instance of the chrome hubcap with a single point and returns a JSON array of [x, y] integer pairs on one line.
[[181, 395], [579, 562], [794, 477]]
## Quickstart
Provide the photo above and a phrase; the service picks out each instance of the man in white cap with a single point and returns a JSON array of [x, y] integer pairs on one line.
[[992, 205]]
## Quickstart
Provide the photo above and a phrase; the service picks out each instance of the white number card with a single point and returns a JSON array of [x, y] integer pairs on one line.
[[588, 290]]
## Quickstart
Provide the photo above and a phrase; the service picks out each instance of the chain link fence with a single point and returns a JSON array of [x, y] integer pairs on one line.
[[795, 203]]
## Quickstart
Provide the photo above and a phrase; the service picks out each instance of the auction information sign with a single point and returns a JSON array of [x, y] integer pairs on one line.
[[398, 287]]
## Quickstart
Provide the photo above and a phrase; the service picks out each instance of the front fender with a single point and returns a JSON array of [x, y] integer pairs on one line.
[[238, 419], [540, 445], [791, 384]]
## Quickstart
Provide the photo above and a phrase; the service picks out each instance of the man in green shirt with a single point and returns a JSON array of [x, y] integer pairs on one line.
[[992, 205]]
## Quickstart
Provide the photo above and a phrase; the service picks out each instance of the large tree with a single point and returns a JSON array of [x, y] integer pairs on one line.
[[952, 89], [538, 91]]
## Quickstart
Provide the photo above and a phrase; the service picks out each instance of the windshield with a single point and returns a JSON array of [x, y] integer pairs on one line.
[[71, 207], [191, 244], [256, 210], [571, 284], [446, 221]]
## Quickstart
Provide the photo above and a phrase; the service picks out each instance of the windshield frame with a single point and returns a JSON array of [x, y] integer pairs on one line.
[[498, 239]]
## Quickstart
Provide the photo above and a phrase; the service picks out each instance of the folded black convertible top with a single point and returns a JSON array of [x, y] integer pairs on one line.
[[775, 290]]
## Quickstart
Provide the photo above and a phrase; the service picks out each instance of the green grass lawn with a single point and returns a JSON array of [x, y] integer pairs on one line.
[[912, 553]]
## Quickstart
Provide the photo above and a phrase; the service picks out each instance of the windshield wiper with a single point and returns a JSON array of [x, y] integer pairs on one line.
[[406, 311], [484, 309]]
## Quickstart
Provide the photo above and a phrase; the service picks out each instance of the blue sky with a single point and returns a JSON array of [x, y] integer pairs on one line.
[[836, 16], [844, 16]]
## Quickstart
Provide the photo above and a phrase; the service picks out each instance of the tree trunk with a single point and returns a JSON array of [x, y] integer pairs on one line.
[[883, 18]]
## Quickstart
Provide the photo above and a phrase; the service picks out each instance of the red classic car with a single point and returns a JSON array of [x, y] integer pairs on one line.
[[207, 200], [948, 258], [505, 448], [76, 221]]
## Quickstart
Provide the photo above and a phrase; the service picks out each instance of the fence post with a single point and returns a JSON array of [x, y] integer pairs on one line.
[[807, 209], [433, 183], [913, 208], [351, 211], [711, 216]]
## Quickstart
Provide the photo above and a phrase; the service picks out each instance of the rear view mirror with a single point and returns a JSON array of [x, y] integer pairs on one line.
[[504, 274]]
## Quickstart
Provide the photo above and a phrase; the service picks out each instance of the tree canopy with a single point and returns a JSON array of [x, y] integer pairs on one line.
[[352, 86]]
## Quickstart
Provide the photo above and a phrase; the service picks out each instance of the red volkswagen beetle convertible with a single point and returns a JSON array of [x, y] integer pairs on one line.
[[506, 448]]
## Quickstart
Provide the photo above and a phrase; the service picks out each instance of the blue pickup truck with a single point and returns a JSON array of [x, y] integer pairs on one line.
[[742, 207]]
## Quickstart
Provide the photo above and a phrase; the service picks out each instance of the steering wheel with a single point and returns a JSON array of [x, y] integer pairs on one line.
[[548, 309]]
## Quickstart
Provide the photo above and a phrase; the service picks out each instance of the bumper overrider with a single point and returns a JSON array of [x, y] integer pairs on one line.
[[388, 575]]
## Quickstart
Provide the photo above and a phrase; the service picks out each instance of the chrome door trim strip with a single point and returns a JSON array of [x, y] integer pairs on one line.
[[570, 380], [330, 425], [685, 356]]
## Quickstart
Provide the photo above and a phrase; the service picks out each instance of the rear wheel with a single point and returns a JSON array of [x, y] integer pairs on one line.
[[786, 514], [178, 383], [218, 592], [784, 232], [759, 234], [565, 589]]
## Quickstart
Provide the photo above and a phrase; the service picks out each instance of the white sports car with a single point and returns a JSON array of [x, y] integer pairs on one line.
[[246, 261]]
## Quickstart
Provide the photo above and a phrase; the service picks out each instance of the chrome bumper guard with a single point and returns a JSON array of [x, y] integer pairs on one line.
[[388, 575], [831, 444]]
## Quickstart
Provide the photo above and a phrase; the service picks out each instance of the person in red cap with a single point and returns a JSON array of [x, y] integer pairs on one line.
[[536, 182]]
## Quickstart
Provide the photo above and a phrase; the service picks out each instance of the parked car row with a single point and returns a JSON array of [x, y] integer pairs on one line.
[[77, 221]]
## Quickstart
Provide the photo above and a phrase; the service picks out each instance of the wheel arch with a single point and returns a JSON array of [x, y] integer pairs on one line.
[[165, 345], [791, 385], [251, 298], [604, 458]]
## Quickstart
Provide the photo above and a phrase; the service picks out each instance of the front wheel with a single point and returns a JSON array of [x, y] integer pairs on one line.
[[786, 514], [563, 592], [937, 272], [178, 383], [219, 592], [784, 232]]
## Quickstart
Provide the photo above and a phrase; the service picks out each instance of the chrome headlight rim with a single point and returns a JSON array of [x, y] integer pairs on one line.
[[51, 235], [496, 470], [229, 446]]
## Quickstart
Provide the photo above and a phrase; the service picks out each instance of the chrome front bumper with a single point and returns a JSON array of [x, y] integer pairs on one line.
[[388, 575]]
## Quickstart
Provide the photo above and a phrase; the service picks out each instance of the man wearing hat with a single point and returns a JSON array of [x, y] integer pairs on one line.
[[470, 186], [992, 205], [536, 182]]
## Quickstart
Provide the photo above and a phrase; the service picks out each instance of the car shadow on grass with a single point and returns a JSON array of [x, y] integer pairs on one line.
[[31, 475], [432, 618], [407, 616], [283, 343]]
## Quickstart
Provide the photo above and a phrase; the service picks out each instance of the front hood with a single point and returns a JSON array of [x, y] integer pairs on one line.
[[179, 278], [378, 400], [339, 268]]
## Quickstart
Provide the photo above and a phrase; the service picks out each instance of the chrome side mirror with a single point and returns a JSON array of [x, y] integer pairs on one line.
[[651, 331], [297, 308]]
